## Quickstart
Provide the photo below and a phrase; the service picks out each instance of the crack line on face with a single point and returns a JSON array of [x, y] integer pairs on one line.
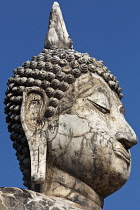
[[73, 136], [65, 150]]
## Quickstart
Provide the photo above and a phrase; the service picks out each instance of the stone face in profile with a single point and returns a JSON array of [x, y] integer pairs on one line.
[[67, 123], [93, 135]]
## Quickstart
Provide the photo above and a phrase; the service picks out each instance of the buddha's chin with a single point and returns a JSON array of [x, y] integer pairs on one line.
[[118, 174], [116, 181], [111, 181]]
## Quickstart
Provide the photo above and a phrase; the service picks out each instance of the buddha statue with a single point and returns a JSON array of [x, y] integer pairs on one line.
[[67, 124]]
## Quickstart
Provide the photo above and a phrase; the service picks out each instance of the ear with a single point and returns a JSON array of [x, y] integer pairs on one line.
[[35, 102]]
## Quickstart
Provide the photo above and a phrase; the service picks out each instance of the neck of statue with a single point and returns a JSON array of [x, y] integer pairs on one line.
[[60, 184]]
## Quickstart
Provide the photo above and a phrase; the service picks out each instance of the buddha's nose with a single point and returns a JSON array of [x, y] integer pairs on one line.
[[126, 135]]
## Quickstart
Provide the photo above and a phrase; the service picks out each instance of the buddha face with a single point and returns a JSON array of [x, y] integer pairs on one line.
[[93, 139]]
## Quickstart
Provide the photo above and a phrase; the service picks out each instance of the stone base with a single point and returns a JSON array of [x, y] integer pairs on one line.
[[12, 198]]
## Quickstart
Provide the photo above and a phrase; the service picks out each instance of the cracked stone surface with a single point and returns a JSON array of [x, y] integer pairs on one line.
[[67, 124], [21, 199], [57, 36]]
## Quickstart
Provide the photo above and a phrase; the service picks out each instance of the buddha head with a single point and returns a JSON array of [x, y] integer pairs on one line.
[[64, 108]]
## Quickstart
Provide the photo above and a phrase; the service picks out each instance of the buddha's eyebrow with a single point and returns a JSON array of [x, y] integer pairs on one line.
[[100, 89], [85, 91], [89, 91]]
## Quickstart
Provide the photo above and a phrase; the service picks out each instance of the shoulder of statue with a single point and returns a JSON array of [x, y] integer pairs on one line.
[[17, 198]]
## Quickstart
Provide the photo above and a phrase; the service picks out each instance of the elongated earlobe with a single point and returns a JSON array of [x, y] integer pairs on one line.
[[35, 102]]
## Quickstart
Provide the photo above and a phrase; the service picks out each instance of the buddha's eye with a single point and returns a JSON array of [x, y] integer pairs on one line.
[[122, 109], [99, 107]]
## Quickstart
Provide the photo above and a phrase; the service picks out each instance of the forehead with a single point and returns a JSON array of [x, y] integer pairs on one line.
[[91, 83]]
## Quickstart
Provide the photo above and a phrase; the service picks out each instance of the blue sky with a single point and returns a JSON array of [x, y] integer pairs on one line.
[[109, 31]]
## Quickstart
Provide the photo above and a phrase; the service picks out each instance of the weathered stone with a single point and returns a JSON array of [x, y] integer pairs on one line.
[[57, 36], [21, 199], [67, 125]]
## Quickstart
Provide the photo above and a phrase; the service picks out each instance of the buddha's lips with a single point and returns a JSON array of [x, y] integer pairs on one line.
[[122, 152]]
